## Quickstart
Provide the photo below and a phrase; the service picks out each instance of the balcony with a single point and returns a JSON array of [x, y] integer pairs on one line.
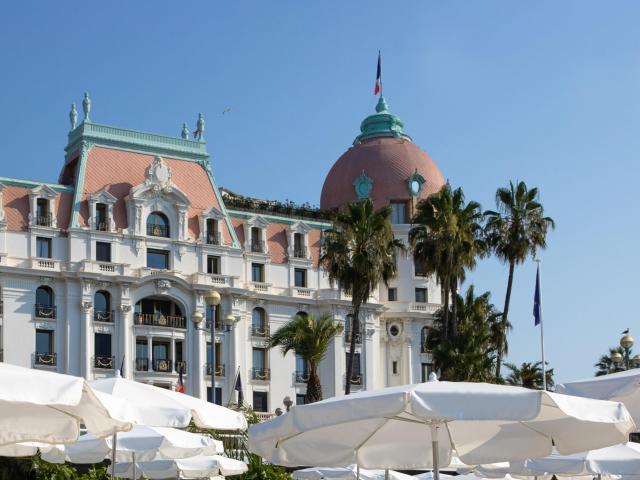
[[101, 224], [99, 316], [45, 264], [212, 238], [221, 370], [158, 230], [44, 220], [45, 311], [301, 376], [160, 320], [181, 364], [142, 364], [260, 287], [423, 307], [103, 362], [46, 359], [300, 252], [105, 268], [303, 292], [162, 365], [257, 246], [263, 374], [260, 331], [347, 338]]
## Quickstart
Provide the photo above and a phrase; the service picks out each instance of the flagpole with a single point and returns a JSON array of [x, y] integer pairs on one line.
[[380, 58], [544, 365]]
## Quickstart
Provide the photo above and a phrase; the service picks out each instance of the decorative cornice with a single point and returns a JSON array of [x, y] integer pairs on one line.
[[32, 183], [279, 219]]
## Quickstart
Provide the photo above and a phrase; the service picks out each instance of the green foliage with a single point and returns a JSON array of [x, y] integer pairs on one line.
[[309, 337], [470, 355], [605, 365], [529, 375], [34, 468], [259, 470], [288, 208]]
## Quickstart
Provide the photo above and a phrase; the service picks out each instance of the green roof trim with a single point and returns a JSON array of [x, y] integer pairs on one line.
[[381, 124], [33, 183]]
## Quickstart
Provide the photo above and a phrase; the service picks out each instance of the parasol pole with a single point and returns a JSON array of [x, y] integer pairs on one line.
[[113, 456], [434, 451]]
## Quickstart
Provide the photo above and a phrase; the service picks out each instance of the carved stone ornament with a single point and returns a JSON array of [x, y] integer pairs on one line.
[[163, 286], [46, 280], [158, 174], [125, 308], [87, 306]]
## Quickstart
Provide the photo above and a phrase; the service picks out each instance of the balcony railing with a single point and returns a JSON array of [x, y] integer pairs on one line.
[[221, 370], [300, 252], [45, 358], [257, 246], [103, 316], [157, 230], [45, 311], [159, 320], [261, 373], [260, 286], [161, 365], [101, 224], [423, 307], [142, 364], [181, 364], [103, 362], [260, 331], [356, 379], [44, 220], [347, 338], [302, 376], [213, 238]]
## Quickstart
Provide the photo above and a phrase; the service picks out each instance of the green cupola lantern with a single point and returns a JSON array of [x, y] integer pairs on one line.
[[381, 124]]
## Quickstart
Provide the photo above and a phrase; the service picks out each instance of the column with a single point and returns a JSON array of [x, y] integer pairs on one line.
[[172, 355], [149, 353], [408, 342], [85, 350], [128, 354]]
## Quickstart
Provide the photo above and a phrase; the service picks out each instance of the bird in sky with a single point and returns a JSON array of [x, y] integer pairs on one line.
[[625, 332], [226, 110]]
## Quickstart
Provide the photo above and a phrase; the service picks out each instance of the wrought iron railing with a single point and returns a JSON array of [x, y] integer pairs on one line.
[[103, 316], [157, 230], [221, 370], [102, 224], [44, 220], [46, 358], [181, 364], [260, 331], [300, 252], [257, 246], [142, 364], [356, 379], [160, 320], [213, 238], [103, 362], [161, 365], [45, 311], [261, 373], [302, 376]]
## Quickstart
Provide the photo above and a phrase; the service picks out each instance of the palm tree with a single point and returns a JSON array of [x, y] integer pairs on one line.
[[447, 239], [605, 365], [359, 251], [470, 355], [309, 337], [529, 375], [515, 231]]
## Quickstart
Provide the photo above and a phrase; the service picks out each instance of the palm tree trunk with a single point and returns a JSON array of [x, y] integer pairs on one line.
[[454, 308], [314, 388], [355, 331], [445, 322], [505, 312]]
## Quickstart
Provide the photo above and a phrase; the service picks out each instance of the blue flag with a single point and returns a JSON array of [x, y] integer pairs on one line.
[[537, 303], [238, 388]]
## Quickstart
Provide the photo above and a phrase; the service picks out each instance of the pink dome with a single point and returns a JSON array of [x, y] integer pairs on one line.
[[389, 162]]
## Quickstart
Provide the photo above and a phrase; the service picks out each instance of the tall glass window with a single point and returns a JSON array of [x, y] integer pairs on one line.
[[158, 225]]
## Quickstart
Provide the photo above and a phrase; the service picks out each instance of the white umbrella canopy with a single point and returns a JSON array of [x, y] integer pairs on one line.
[[347, 473], [193, 467], [391, 427], [142, 443], [49, 407], [620, 387], [429, 476], [161, 405]]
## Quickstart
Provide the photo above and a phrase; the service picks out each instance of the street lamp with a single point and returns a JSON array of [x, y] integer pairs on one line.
[[287, 402], [212, 299], [626, 342], [617, 358]]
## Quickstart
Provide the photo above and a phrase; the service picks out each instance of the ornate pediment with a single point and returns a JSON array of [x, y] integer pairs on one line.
[[158, 173]]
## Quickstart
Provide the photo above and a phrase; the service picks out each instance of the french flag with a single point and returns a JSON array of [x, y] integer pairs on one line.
[[180, 386], [378, 86]]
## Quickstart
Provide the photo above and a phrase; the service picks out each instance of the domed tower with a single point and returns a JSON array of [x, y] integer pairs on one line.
[[385, 165]]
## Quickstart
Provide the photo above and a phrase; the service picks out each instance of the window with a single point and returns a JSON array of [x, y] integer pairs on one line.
[[161, 358], [102, 344], [158, 225], [302, 313], [213, 264], [301, 399], [260, 369], [218, 354], [260, 402], [179, 357], [212, 232], [44, 296], [102, 222], [257, 272], [218, 395], [419, 267], [43, 216], [392, 295], [426, 370], [142, 354], [356, 376], [44, 341], [158, 259], [257, 245], [43, 247], [102, 306], [398, 212], [394, 367], [103, 252], [301, 366], [259, 322], [421, 295], [299, 250], [300, 277]]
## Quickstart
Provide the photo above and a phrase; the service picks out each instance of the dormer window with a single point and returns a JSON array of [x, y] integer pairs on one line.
[[299, 248], [399, 212], [158, 225], [102, 219], [43, 214], [298, 241], [212, 234], [257, 242]]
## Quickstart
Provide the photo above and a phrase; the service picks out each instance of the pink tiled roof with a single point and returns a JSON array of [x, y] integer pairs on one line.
[[16, 207], [389, 162], [119, 170]]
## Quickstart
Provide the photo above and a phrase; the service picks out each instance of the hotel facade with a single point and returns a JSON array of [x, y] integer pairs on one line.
[[110, 268]]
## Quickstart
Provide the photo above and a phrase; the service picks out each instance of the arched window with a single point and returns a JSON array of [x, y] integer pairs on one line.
[[158, 225], [259, 322], [302, 313], [102, 306], [44, 296], [348, 329]]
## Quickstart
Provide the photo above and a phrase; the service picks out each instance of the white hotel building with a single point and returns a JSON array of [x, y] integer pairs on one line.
[[110, 267]]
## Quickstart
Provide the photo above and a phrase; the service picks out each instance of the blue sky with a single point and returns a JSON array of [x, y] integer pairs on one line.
[[543, 91]]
